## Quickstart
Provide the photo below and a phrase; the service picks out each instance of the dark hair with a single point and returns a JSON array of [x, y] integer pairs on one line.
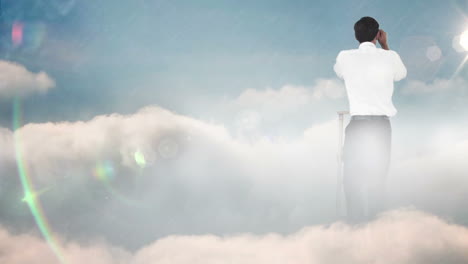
[[366, 29]]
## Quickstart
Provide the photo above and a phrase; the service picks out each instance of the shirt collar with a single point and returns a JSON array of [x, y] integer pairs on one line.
[[367, 44]]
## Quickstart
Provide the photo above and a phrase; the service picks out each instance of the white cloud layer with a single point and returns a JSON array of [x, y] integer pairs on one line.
[[200, 179], [283, 182], [188, 162], [456, 85], [156, 133], [291, 96], [400, 236], [28, 248], [16, 80], [286, 111]]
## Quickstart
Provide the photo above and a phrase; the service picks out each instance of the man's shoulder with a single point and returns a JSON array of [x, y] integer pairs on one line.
[[344, 53], [355, 52], [347, 51], [393, 53]]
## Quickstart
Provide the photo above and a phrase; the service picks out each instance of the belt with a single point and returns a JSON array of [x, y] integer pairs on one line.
[[369, 117]]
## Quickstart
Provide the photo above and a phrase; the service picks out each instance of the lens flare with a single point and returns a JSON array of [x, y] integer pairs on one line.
[[460, 44], [34, 35], [464, 40], [460, 67], [433, 53], [30, 36], [30, 196], [140, 159], [105, 173], [17, 33]]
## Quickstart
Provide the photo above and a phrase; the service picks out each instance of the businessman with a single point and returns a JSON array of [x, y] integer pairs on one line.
[[369, 73]]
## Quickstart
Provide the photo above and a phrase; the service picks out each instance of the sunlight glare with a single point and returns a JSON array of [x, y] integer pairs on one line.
[[464, 40]]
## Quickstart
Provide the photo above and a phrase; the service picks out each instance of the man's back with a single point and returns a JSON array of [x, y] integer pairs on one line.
[[369, 73]]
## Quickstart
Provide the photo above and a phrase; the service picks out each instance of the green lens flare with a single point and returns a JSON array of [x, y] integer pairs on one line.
[[104, 172], [140, 159], [30, 197]]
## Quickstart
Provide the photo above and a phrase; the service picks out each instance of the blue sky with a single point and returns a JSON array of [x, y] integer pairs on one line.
[[169, 52]]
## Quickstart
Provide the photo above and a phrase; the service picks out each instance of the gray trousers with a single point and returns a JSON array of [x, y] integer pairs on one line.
[[366, 158]]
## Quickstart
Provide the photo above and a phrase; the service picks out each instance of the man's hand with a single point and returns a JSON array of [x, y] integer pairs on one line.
[[382, 38]]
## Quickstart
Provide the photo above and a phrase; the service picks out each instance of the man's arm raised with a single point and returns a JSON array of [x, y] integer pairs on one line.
[[399, 68], [382, 38]]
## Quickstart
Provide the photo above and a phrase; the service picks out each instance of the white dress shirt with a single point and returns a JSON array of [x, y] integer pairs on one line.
[[369, 73]]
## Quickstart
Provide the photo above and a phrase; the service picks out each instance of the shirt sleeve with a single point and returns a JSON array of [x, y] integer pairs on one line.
[[399, 67], [338, 67]]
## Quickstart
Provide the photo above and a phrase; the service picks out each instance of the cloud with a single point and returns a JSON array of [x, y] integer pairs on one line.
[[115, 137], [455, 85], [29, 248], [15, 79], [396, 237], [434, 179], [286, 111], [291, 96], [153, 131], [402, 236], [188, 162], [197, 171]]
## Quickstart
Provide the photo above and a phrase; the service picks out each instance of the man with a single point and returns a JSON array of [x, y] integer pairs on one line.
[[368, 73]]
